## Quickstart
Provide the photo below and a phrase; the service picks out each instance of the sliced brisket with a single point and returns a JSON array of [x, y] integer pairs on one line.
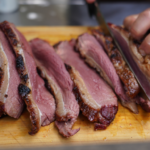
[[96, 57], [10, 102], [130, 84], [96, 99], [59, 83], [40, 103], [134, 55]]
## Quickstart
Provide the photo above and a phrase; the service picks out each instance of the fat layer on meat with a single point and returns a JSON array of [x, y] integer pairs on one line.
[[10, 102], [96, 99], [130, 84], [95, 56], [59, 83], [40, 103]]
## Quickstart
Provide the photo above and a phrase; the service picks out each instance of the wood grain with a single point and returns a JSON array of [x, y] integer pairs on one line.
[[126, 126]]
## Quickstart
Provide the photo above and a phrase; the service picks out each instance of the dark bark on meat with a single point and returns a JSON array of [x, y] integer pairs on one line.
[[23, 90], [131, 86], [20, 65], [138, 60]]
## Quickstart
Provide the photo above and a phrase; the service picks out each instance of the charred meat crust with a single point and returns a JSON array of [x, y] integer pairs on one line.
[[15, 44], [25, 78], [104, 116], [20, 65], [23, 89], [124, 72], [108, 114], [87, 111]]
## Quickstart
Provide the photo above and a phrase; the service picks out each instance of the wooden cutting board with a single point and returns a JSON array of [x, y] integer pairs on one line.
[[126, 126]]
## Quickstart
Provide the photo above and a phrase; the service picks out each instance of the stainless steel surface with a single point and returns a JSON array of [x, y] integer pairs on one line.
[[68, 12]]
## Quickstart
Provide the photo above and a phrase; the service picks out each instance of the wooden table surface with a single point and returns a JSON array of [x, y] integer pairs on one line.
[[125, 127]]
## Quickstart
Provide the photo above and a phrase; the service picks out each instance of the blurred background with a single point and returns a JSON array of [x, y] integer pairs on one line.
[[67, 12]]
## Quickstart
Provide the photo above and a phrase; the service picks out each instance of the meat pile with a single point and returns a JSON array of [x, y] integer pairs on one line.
[[56, 83]]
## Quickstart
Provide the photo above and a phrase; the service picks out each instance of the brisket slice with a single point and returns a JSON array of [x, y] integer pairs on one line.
[[130, 84], [96, 57], [40, 103], [96, 99], [142, 60], [59, 83], [10, 102]]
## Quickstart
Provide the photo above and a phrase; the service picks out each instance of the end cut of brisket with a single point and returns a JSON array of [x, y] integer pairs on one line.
[[39, 101], [10, 102], [139, 60], [95, 56], [96, 99], [59, 83]]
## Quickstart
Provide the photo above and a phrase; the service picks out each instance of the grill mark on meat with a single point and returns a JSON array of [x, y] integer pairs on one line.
[[131, 86], [10, 33], [23, 90], [20, 65], [25, 78], [22, 70]]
